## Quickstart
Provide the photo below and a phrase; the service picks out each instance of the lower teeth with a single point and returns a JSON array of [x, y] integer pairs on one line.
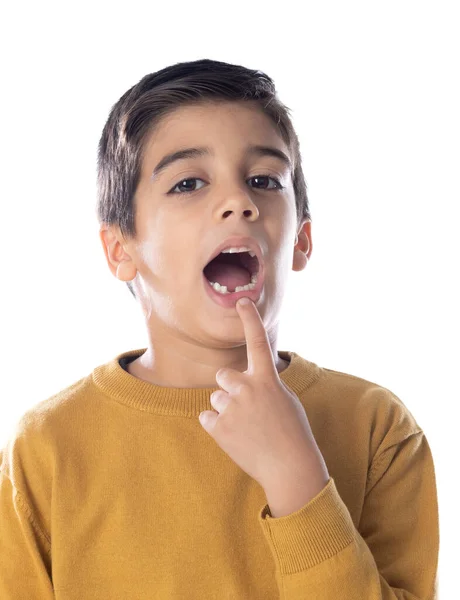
[[222, 289]]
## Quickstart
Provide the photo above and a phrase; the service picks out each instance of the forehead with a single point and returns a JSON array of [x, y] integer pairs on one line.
[[215, 123]]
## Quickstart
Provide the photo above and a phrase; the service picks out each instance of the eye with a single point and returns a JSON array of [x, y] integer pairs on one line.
[[179, 183], [278, 185]]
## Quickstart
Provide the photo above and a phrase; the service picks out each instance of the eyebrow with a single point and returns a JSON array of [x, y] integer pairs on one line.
[[204, 151]]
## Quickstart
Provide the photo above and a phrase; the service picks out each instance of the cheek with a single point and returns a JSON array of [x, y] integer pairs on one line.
[[153, 252], [165, 272]]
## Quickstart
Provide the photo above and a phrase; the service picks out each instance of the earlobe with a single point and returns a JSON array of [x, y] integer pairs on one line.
[[302, 249], [126, 271], [299, 261], [118, 260]]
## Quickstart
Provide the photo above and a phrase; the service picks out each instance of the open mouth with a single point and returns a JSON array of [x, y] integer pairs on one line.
[[232, 272]]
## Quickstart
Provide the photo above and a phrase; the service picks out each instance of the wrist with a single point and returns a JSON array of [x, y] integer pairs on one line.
[[290, 495]]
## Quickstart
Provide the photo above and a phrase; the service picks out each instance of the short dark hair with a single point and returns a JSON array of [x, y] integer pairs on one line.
[[134, 116]]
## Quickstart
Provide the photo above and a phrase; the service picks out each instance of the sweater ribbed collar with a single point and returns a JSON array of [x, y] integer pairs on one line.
[[115, 382]]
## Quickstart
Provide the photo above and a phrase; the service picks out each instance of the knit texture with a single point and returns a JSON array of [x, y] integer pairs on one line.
[[111, 489]]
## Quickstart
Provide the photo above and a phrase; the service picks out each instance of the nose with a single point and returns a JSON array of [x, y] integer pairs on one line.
[[238, 204]]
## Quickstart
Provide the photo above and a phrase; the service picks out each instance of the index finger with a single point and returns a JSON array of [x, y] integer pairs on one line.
[[260, 357]]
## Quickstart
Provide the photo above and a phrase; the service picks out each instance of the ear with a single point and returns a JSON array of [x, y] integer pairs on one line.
[[303, 246], [118, 259]]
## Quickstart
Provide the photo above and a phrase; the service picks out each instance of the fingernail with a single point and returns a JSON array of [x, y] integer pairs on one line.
[[243, 301]]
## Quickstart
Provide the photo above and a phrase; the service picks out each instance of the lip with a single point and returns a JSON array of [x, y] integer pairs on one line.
[[229, 300], [238, 242]]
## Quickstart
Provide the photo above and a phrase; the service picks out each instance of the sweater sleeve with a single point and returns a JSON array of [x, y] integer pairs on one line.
[[393, 554], [25, 550]]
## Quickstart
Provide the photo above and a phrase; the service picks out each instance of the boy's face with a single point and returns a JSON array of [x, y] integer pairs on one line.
[[179, 230]]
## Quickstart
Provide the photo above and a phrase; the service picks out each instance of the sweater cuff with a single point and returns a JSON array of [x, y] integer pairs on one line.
[[314, 533]]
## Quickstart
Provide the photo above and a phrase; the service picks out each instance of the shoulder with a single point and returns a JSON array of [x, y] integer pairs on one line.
[[37, 435], [371, 404]]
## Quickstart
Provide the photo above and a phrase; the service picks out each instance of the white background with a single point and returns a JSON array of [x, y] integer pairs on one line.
[[374, 93]]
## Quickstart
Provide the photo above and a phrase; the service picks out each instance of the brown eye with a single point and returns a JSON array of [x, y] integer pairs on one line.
[[179, 183], [191, 188], [266, 177]]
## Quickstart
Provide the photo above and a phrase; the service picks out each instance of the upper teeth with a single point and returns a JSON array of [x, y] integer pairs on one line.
[[223, 289], [242, 249]]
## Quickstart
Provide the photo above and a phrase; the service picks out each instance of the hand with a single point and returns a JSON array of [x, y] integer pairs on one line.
[[261, 424]]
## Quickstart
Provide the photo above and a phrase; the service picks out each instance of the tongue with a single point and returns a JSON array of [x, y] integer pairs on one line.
[[229, 275]]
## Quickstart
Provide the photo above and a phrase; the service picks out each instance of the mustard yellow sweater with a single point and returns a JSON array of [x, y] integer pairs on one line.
[[111, 489]]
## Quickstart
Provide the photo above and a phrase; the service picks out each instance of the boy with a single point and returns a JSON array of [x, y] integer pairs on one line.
[[210, 464]]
